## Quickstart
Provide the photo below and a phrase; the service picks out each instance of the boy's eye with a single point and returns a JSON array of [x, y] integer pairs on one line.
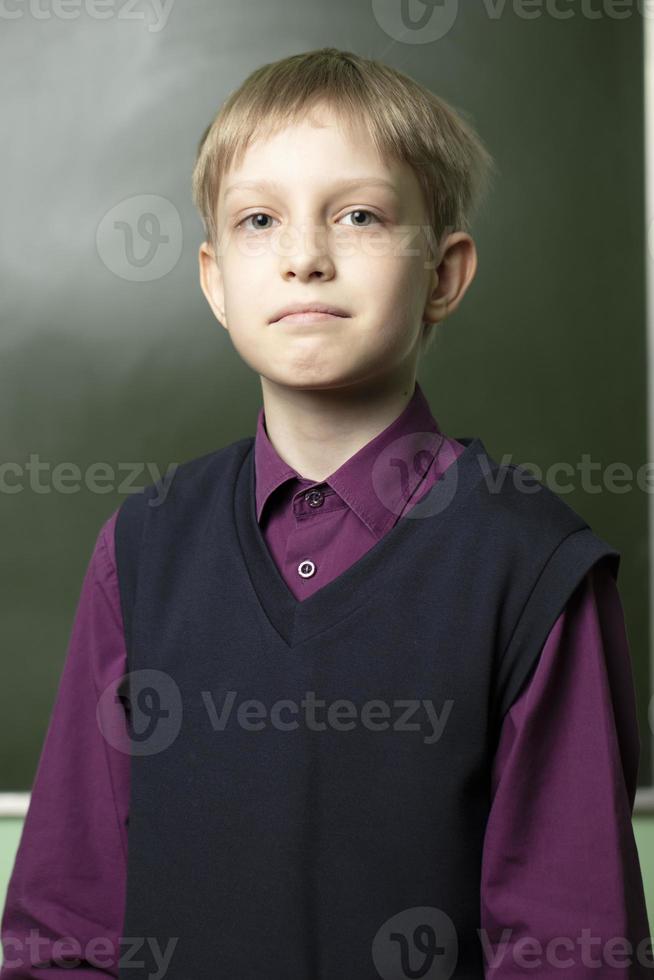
[[363, 211], [261, 214], [258, 214]]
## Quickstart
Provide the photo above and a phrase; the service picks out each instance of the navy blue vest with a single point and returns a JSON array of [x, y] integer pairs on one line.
[[310, 780]]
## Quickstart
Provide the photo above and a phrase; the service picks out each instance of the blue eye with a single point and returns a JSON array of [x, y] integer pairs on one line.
[[261, 214], [363, 211], [257, 214]]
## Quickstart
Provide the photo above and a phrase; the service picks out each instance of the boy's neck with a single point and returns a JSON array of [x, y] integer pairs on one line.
[[317, 430]]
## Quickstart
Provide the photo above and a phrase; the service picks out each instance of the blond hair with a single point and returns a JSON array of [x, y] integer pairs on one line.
[[406, 122]]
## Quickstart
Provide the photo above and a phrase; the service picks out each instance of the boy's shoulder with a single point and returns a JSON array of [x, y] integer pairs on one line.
[[515, 489], [511, 503], [192, 476]]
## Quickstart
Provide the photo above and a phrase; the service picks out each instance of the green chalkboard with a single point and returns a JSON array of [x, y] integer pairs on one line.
[[545, 360]]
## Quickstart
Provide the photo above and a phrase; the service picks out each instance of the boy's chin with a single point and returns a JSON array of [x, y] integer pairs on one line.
[[316, 377]]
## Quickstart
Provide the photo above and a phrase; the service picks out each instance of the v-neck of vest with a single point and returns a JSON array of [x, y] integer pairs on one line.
[[297, 620]]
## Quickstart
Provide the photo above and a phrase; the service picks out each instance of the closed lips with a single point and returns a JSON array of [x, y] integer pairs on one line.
[[306, 308]]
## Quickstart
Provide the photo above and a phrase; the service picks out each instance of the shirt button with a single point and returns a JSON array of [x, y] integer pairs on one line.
[[314, 498], [306, 568]]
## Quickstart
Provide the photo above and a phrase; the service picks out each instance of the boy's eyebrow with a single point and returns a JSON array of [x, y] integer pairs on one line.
[[263, 185]]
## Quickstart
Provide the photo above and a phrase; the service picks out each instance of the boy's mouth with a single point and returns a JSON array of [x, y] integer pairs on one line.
[[308, 317], [305, 312]]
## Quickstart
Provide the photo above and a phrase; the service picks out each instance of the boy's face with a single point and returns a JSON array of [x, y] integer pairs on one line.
[[305, 237]]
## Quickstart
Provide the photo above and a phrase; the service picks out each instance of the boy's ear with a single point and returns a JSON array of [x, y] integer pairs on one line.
[[211, 281], [455, 270]]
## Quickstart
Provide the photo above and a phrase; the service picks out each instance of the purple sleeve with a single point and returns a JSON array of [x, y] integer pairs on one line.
[[561, 879], [66, 894]]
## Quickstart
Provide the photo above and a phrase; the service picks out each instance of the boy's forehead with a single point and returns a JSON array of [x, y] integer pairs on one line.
[[321, 181], [318, 154], [318, 126], [317, 151], [395, 183]]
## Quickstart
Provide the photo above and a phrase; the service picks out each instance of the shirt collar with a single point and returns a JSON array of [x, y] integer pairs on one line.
[[377, 481]]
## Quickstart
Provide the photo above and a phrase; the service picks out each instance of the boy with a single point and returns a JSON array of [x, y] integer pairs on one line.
[[359, 746]]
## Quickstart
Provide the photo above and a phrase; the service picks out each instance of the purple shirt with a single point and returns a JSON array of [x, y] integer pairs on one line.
[[559, 851]]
